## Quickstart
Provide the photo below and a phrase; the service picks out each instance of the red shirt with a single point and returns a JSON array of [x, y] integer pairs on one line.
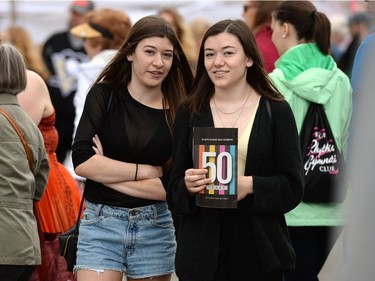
[[266, 47]]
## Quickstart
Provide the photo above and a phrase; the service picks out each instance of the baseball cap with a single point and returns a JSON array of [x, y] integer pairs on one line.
[[81, 6]]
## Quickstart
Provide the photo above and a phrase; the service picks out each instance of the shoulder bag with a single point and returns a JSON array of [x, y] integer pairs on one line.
[[68, 242]]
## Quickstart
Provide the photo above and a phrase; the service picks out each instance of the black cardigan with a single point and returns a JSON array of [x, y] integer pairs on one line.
[[276, 167]]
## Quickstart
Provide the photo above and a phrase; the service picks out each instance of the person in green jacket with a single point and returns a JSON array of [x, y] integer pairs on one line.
[[22, 183], [305, 73]]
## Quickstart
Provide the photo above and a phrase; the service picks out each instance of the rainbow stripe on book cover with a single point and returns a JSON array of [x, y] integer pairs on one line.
[[216, 149]]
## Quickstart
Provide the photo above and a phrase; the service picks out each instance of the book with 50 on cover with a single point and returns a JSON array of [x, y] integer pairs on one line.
[[215, 149]]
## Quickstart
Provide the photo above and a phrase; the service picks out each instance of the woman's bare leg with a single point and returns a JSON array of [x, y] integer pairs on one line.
[[95, 275]]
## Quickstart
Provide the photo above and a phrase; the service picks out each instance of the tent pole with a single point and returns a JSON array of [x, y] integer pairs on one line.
[[13, 12]]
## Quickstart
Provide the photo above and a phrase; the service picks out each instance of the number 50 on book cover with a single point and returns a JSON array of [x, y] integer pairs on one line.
[[215, 149]]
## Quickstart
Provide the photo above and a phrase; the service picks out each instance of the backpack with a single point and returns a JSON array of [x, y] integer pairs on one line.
[[323, 163]]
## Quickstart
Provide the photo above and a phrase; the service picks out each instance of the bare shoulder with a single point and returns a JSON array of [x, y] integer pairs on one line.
[[35, 99], [36, 84]]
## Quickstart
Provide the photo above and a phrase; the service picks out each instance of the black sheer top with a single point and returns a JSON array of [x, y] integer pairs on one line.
[[129, 131]]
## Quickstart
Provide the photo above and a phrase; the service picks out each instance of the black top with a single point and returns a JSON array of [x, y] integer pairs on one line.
[[274, 160], [60, 53], [129, 131], [59, 47]]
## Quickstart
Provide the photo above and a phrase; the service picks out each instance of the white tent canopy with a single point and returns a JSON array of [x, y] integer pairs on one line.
[[42, 18]]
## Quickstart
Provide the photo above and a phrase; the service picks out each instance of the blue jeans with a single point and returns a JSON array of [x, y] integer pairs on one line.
[[139, 242]]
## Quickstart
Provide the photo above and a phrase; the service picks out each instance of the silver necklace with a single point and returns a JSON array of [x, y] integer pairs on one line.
[[230, 113], [238, 117]]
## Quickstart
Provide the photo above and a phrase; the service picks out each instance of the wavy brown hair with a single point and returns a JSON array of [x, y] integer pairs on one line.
[[21, 39], [116, 22]]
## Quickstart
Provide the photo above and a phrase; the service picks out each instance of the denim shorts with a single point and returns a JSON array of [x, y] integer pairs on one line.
[[139, 242]]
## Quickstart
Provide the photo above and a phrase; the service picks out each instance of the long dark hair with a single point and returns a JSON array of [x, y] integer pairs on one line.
[[257, 77], [310, 24], [179, 79]]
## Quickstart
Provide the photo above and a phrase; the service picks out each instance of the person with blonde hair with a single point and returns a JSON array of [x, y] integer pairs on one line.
[[173, 17], [21, 39], [198, 27]]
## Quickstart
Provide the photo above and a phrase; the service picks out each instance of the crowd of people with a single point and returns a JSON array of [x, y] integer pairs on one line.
[[108, 108]]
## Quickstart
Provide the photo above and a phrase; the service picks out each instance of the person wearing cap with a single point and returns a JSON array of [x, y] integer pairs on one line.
[[62, 53], [79, 8], [102, 31]]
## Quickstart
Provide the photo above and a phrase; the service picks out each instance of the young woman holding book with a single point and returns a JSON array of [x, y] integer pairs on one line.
[[232, 90]]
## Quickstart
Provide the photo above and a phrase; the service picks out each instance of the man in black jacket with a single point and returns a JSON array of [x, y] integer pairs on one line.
[[62, 53]]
